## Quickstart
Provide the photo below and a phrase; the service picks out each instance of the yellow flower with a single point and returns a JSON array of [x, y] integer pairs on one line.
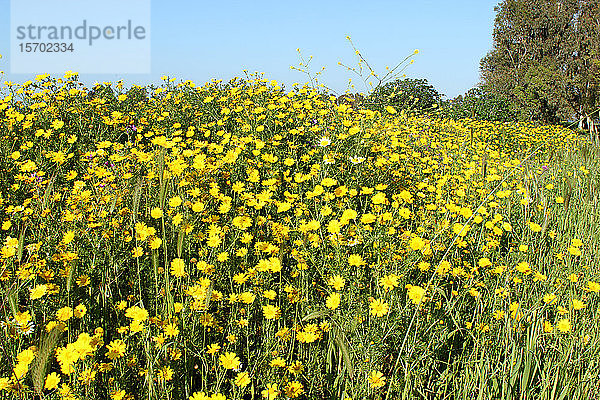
[[326, 211], [484, 262], [57, 124], [165, 373], [578, 304], [389, 281], [576, 243], [277, 362], [177, 219], [242, 222], [334, 226], [156, 212], [347, 215], [368, 218], [118, 395], [26, 356], [80, 311], [247, 297], [141, 231], [270, 392], [52, 381], [341, 191], [271, 312], [71, 175], [116, 349], [20, 370], [68, 237], [390, 109], [178, 267], [561, 310], [593, 286], [242, 379], [328, 182], [444, 267], [38, 291], [294, 389], [171, 330], [564, 325], [524, 268], [424, 266], [213, 241], [379, 308], [337, 282], [333, 301], [534, 227], [415, 293], [283, 206], [64, 314], [197, 206], [296, 368], [229, 360], [199, 396], [155, 243], [137, 252], [137, 313], [416, 243], [379, 198], [376, 379], [404, 212], [355, 260], [213, 348], [175, 201]]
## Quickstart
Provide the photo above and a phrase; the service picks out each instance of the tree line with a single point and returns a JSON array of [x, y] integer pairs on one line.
[[546, 59], [544, 66]]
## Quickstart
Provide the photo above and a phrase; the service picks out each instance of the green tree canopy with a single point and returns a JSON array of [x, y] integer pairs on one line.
[[545, 58], [405, 94]]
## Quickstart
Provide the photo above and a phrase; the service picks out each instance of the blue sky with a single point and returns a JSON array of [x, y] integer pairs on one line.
[[201, 40]]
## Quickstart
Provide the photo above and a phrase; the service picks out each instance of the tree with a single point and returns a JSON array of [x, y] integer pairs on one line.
[[403, 94], [478, 103], [585, 68], [545, 58]]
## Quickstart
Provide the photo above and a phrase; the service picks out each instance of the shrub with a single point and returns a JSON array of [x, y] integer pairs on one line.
[[404, 94], [481, 104]]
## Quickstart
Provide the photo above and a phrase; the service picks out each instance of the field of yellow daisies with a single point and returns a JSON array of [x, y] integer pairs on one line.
[[241, 241]]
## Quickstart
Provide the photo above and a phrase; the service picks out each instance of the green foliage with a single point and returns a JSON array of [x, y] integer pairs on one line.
[[479, 104], [545, 58], [404, 94]]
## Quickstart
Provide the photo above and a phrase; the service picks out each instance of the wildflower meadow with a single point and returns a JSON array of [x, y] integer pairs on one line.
[[242, 240]]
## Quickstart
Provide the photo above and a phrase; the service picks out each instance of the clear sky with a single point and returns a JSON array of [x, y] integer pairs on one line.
[[204, 40]]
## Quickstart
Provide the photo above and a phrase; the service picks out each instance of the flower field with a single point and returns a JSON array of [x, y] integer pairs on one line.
[[241, 241]]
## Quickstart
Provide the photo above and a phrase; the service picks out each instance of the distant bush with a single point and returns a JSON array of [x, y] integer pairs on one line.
[[405, 94], [480, 104]]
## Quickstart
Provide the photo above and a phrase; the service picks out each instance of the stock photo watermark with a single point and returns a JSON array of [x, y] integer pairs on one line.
[[53, 36]]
